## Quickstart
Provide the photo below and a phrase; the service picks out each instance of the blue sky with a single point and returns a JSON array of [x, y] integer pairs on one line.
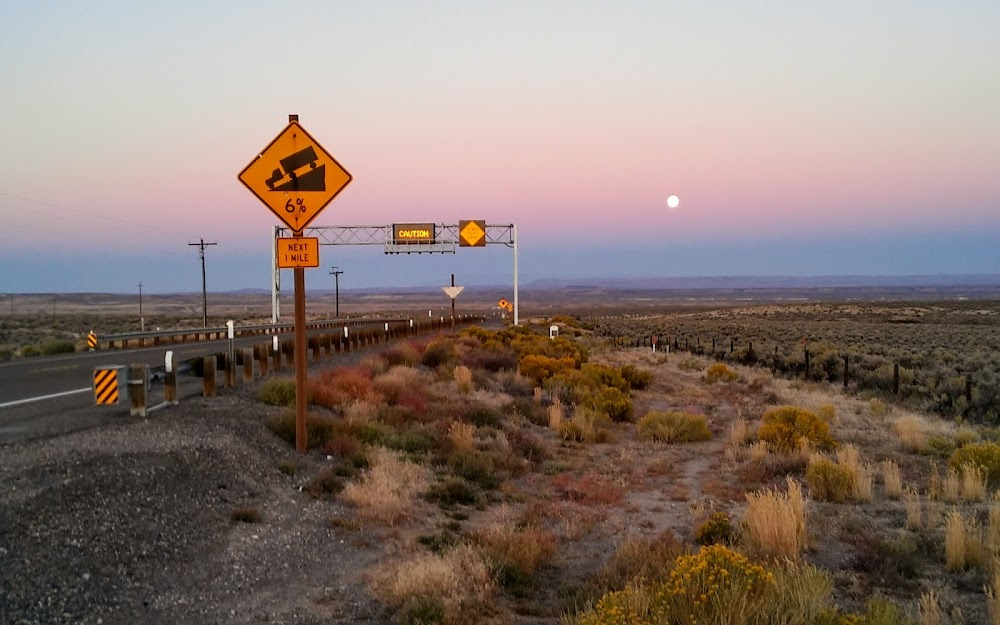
[[802, 139]]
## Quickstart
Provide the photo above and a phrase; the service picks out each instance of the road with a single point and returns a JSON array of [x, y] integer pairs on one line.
[[50, 395]]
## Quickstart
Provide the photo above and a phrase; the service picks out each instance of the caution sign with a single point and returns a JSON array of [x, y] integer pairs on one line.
[[413, 233], [502, 303], [472, 233], [105, 386], [91, 340], [296, 252], [295, 177]]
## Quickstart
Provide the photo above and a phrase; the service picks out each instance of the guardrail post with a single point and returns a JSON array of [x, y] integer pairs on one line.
[[288, 349], [347, 339], [138, 378], [229, 364], [170, 379], [260, 355], [315, 345], [248, 364], [327, 342], [208, 376]]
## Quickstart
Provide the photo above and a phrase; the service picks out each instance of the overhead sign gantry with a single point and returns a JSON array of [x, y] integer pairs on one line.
[[405, 238]]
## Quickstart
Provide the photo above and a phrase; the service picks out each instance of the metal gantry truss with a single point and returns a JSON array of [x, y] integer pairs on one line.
[[446, 241]]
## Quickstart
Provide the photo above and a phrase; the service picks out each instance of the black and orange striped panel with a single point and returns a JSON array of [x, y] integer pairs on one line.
[[106, 386]]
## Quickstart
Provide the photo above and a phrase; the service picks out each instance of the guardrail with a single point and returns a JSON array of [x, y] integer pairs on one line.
[[194, 335]]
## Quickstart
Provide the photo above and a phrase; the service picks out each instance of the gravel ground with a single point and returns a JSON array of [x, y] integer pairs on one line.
[[130, 522]]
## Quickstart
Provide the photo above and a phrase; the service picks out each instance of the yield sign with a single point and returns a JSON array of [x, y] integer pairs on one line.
[[295, 177], [452, 291], [472, 233]]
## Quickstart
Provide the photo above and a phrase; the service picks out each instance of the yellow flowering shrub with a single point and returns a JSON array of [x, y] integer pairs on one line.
[[625, 607], [715, 585], [785, 428], [719, 372]]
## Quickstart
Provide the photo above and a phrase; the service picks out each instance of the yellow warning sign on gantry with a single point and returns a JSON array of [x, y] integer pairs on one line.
[[472, 233], [295, 177]]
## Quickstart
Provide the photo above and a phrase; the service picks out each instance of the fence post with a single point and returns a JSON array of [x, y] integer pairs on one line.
[[968, 387], [807, 363], [713, 344], [895, 379], [732, 345], [170, 378], [208, 376], [846, 360], [138, 378]]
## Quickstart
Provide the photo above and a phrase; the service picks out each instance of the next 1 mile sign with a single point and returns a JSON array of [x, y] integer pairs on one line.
[[296, 252]]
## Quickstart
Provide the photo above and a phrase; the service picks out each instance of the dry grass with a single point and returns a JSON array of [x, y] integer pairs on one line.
[[463, 379], [360, 412], [775, 522], [863, 483], [556, 414], [963, 542], [954, 542], [993, 526], [515, 553], [388, 491], [458, 582], [934, 482], [993, 598], [586, 426], [914, 511], [537, 395], [973, 483], [759, 451], [892, 479], [951, 489], [462, 435], [929, 610], [398, 381], [740, 433], [912, 431]]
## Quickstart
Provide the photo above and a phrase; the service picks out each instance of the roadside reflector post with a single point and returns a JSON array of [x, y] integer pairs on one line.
[[276, 353], [208, 376], [248, 364], [386, 333], [138, 379], [108, 382], [170, 379], [347, 339]]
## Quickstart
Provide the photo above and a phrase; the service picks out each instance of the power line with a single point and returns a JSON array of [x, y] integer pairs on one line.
[[204, 290], [90, 214]]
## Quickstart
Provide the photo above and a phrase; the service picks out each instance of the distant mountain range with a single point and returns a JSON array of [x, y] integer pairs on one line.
[[661, 283], [766, 282]]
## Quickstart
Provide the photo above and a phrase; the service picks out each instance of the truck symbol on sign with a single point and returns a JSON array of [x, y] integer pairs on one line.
[[312, 180]]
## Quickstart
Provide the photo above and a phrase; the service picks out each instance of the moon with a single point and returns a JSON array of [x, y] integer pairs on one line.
[[673, 201]]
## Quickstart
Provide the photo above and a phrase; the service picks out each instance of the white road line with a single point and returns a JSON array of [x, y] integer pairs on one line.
[[44, 397]]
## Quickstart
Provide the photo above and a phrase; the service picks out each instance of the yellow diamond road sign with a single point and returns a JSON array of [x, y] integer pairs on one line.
[[472, 233], [295, 177]]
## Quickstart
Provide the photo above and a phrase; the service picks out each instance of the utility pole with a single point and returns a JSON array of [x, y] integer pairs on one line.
[[336, 276], [142, 320], [204, 292]]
